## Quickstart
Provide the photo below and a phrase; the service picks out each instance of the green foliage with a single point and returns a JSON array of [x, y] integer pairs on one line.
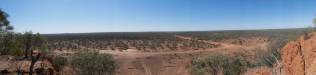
[[215, 64], [4, 22], [5, 34], [15, 49], [18, 44], [59, 63], [10, 44], [92, 63], [270, 56]]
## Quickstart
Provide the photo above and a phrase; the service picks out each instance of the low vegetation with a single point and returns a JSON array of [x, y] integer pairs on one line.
[[59, 63], [272, 55], [92, 63], [159, 41], [221, 64], [217, 64], [145, 41]]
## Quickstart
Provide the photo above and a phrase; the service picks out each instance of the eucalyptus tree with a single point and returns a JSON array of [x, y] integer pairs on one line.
[[5, 30], [4, 22]]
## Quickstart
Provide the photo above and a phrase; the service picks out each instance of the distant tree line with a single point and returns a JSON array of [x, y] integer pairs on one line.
[[158, 44], [159, 41]]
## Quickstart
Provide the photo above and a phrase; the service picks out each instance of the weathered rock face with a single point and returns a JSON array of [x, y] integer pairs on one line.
[[9, 67], [293, 60], [259, 71], [299, 57]]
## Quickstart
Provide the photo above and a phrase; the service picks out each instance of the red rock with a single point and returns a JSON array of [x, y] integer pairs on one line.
[[298, 57]]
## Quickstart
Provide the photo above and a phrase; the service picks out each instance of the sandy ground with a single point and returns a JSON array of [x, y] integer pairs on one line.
[[133, 62]]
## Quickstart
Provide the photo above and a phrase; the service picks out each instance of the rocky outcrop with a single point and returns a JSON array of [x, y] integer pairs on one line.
[[299, 57], [11, 67], [259, 71]]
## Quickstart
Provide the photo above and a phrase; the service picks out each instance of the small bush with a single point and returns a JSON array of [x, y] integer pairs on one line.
[[271, 56], [92, 63], [59, 63], [267, 58], [215, 64], [15, 51]]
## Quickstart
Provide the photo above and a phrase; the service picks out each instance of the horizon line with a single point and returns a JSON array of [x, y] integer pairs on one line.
[[173, 31]]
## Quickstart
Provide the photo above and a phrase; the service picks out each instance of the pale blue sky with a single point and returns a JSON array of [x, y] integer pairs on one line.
[[76, 16]]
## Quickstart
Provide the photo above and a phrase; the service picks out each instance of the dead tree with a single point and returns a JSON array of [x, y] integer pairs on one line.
[[34, 59]]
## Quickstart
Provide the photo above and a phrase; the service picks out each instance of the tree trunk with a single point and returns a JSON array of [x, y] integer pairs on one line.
[[34, 60], [27, 48]]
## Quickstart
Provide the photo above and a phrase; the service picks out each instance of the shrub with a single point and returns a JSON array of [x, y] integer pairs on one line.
[[93, 63], [272, 55], [59, 63], [215, 64], [267, 58]]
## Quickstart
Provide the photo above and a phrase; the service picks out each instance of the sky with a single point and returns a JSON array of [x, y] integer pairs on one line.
[[81, 16]]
